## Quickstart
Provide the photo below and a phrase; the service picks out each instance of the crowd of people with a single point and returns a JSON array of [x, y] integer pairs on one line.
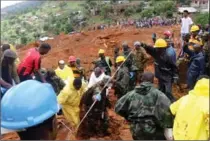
[[144, 23], [33, 96]]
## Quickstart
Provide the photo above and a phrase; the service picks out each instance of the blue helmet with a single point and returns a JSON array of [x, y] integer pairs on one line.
[[28, 104]]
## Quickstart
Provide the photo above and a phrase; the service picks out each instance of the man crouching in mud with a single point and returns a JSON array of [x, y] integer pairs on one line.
[[96, 123]]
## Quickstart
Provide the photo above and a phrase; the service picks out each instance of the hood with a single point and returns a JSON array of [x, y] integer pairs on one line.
[[144, 88], [201, 88]]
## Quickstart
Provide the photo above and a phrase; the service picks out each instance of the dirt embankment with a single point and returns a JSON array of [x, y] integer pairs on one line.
[[85, 45]]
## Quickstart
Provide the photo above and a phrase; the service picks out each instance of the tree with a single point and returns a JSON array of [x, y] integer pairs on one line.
[[62, 4], [106, 10], [169, 14], [140, 7], [23, 40], [202, 18], [148, 13], [129, 11], [46, 27]]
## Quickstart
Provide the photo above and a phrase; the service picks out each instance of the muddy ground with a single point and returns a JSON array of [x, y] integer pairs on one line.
[[85, 45]]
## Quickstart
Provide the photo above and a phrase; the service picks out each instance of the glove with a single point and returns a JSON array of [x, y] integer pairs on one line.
[[131, 74], [176, 80], [168, 133], [97, 97]]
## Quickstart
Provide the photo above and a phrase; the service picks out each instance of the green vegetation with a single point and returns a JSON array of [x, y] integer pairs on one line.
[[202, 18], [53, 17]]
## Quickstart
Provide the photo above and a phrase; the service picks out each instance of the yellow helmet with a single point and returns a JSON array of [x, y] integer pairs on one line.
[[120, 59], [194, 28], [160, 43], [101, 51]]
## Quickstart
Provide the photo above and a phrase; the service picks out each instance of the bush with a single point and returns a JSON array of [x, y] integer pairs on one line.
[[106, 10], [148, 13], [169, 14], [129, 11], [163, 7], [201, 18], [140, 7]]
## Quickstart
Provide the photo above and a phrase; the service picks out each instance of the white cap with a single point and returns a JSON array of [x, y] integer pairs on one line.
[[61, 62], [137, 43]]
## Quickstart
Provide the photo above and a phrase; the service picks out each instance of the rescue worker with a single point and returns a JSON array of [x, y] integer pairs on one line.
[[32, 62], [32, 118], [140, 59], [194, 36], [165, 69], [206, 49], [116, 54], [121, 82], [132, 68], [170, 46], [9, 46], [96, 122], [192, 113], [72, 64], [146, 109], [196, 65], [57, 83], [78, 63], [96, 76], [104, 62], [8, 67], [63, 71], [70, 98], [154, 37]]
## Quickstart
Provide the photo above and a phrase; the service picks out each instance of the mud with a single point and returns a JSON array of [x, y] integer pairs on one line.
[[85, 45]]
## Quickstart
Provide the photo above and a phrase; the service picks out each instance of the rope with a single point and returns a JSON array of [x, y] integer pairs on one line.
[[102, 90]]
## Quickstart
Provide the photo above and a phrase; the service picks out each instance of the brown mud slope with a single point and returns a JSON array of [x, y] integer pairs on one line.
[[85, 45]]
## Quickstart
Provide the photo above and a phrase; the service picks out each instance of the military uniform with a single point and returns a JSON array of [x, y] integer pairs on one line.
[[147, 110], [122, 81], [140, 60]]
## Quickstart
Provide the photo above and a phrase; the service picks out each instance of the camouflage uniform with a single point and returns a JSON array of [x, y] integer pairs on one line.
[[147, 110], [96, 122], [122, 81], [140, 60]]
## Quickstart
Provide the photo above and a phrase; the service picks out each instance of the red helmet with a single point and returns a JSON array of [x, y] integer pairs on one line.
[[167, 33], [72, 59]]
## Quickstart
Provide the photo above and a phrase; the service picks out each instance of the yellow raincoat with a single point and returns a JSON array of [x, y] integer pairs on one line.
[[17, 61], [70, 98], [192, 114], [65, 73]]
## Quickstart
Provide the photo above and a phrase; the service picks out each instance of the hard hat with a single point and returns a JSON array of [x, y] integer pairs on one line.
[[120, 59], [194, 28], [101, 51], [160, 43], [28, 104], [167, 33], [72, 59], [10, 53], [137, 43], [62, 62]]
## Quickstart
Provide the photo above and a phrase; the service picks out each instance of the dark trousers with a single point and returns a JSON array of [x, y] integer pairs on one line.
[[191, 81], [166, 88], [25, 77]]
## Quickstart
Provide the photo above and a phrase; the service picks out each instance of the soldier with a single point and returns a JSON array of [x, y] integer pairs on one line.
[[146, 109], [121, 83], [96, 123], [140, 59]]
